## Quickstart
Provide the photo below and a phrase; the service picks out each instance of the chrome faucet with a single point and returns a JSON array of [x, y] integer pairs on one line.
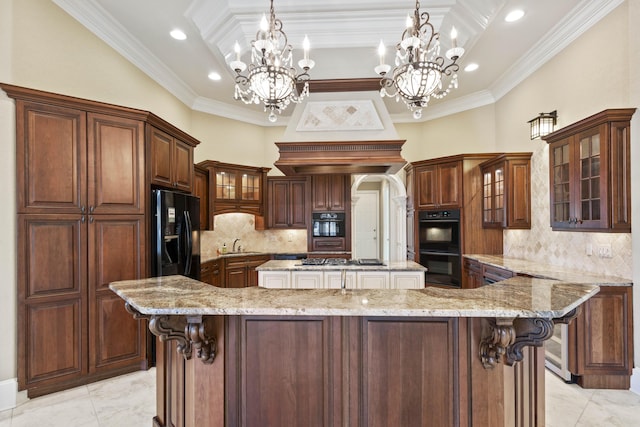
[[234, 245]]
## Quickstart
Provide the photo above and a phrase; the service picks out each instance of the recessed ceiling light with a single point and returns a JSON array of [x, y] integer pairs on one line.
[[178, 34], [214, 76], [471, 67], [514, 15]]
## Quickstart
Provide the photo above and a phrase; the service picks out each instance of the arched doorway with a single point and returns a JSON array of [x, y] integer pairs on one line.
[[386, 194]]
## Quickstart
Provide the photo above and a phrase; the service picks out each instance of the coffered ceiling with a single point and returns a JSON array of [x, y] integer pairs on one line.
[[344, 37]]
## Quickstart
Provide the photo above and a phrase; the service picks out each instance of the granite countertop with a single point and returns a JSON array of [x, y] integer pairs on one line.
[[548, 271], [295, 265], [248, 253], [515, 297]]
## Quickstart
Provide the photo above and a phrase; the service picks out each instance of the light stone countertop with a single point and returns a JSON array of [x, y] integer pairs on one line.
[[279, 265], [515, 297], [548, 271]]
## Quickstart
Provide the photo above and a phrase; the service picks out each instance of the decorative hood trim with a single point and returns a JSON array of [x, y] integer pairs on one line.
[[340, 157]]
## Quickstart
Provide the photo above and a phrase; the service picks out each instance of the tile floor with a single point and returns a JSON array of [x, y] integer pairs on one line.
[[129, 401]]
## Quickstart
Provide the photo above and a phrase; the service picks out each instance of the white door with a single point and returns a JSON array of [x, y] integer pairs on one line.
[[367, 227]]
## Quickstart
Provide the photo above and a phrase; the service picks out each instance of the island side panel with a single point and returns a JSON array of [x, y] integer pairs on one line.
[[204, 384], [503, 396]]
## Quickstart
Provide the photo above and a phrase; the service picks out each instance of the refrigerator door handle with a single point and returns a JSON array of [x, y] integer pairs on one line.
[[189, 242]]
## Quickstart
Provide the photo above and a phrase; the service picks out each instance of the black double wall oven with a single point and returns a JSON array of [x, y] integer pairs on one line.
[[440, 248]]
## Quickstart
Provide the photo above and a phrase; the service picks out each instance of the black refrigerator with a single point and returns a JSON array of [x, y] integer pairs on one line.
[[175, 234]]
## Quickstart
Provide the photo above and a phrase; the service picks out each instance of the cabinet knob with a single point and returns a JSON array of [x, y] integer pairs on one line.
[[91, 220], [91, 209], [82, 220], [82, 209]]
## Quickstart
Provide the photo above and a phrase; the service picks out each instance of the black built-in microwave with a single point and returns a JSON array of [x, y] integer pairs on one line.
[[328, 224]]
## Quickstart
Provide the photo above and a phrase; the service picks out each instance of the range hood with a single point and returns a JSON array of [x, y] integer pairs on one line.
[[340, 157]]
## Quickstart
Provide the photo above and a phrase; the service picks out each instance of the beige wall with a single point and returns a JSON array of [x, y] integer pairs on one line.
[[43, 48]]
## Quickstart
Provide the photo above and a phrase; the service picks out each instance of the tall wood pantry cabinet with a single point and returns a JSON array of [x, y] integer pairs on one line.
[[82, 223]]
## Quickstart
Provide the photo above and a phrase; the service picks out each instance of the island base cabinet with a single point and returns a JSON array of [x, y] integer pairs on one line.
[[601, 340], [348, 371]]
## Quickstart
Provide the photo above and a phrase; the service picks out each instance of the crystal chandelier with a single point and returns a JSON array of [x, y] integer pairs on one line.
[[271, 78], [420, 71]]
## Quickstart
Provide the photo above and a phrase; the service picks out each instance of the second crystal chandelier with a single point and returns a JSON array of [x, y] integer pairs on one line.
[[420, 70]]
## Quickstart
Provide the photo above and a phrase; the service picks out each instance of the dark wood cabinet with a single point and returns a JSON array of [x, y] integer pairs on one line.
[[439, 185], [288, 202], [171, 161], [201, 190], [472, 274], [506, 191], [71, 161], [601, 340], [81, 192], [116, 251], [235, 188], [211, 272], [330, 192], [240, 271], [589, 170]]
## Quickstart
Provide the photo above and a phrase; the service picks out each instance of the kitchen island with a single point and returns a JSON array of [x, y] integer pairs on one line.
[[337, 273], [323, 357]]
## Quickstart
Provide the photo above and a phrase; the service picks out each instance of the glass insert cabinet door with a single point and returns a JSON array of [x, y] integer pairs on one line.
[[232, 185], [578, 186], [493, 197]]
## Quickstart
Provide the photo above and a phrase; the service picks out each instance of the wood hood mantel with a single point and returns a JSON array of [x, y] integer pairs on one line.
[[343, 157]]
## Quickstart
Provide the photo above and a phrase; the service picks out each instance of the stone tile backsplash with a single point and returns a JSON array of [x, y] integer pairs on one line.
[[228, 227], [563, 248]]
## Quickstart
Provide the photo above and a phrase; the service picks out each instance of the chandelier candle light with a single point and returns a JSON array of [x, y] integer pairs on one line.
[[271, 78], [420, 70]]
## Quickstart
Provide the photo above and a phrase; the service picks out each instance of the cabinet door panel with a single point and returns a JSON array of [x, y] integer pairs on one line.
[[161, 157], [236, 278], [201, 190], [279, 204], [427, 187], [50, 158], [337, 192], [115, 165], [56, 340], [319, 195], [116, 252], [298, 203], [183, 166], [449, 185], [52, 256], [117, 339]]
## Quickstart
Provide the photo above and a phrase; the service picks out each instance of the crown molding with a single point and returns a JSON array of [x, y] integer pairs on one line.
[[576, 23], [453, 106], [99, 22], [229, 111]]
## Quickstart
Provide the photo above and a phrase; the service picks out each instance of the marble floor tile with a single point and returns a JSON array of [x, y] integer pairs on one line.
[[129, 401]]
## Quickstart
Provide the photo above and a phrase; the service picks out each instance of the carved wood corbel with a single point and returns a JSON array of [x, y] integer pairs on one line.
[[191, 332], [505, 339]]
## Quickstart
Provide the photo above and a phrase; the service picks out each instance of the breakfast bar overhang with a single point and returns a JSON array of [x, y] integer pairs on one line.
[[289, 357]]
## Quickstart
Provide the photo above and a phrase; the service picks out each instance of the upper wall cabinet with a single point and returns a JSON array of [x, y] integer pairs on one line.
[[171, 161], [590, 180], [506, 191], [236, 188], [439, 185], [330, 192], [73, 161], [288, 202]]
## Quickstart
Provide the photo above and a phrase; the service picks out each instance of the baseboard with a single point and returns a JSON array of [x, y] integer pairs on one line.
[[635, 381], [8, 394]]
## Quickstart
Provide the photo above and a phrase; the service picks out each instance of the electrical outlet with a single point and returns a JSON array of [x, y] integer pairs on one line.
[[290, 236], [604, 251], [589, 249]]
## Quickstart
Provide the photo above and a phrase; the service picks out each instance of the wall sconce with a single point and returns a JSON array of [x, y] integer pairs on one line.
[[543, 124]]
